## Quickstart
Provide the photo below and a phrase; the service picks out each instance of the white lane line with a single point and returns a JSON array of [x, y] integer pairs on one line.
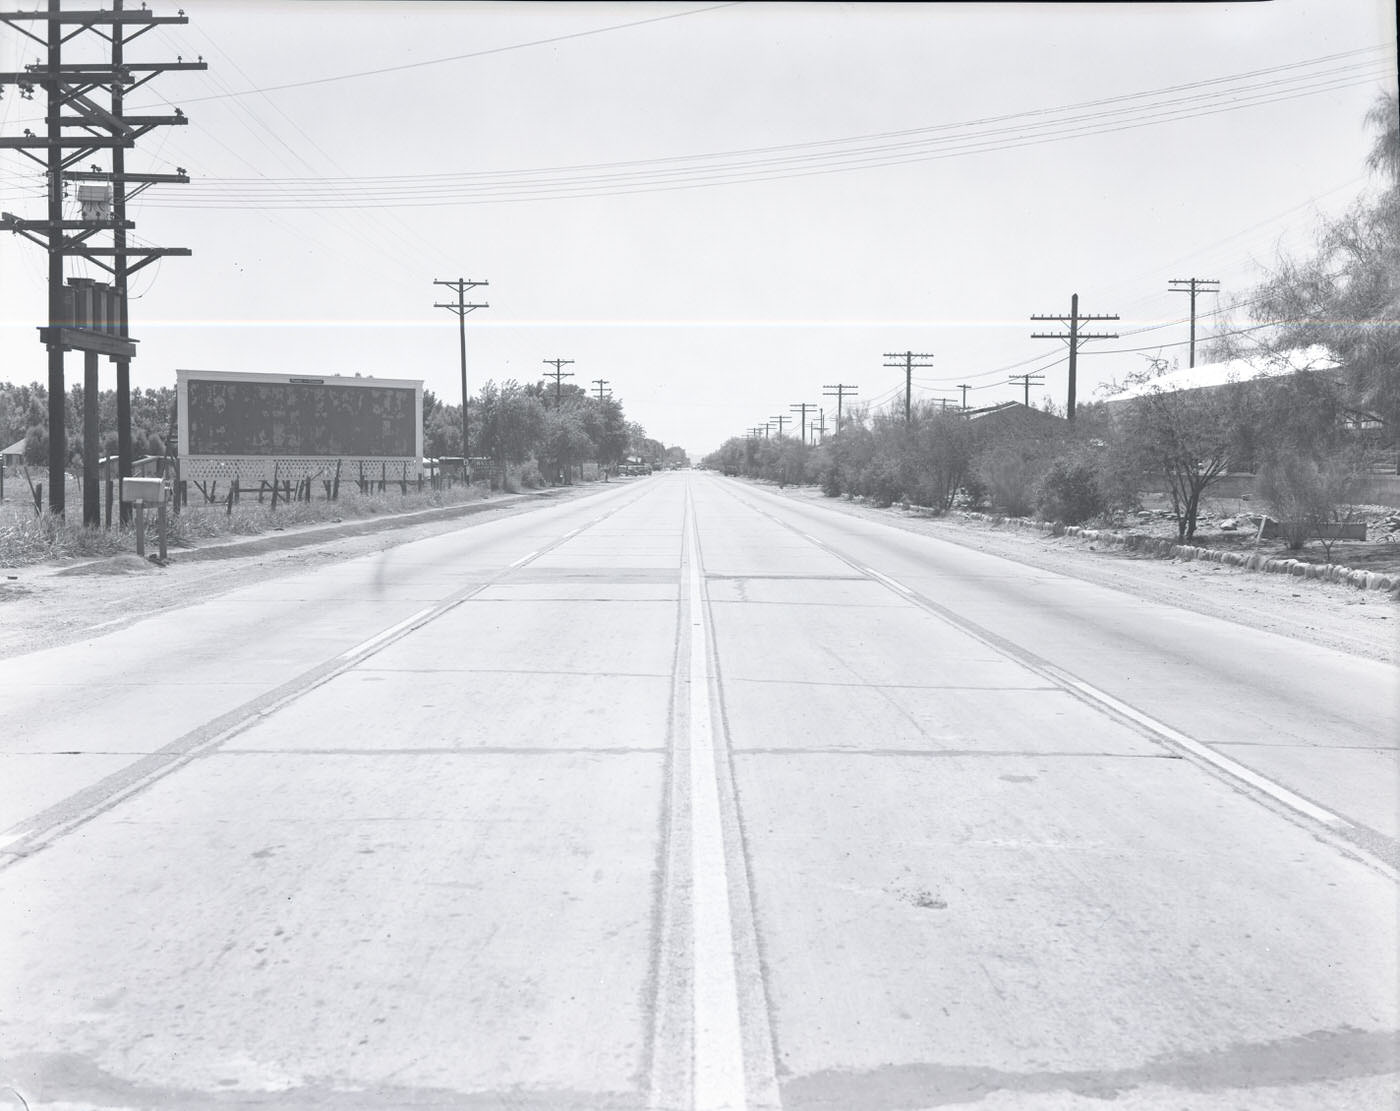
[[1224, 763], [379, 638], [105, 624], [719, 1049], [523, 559], [895, 583]]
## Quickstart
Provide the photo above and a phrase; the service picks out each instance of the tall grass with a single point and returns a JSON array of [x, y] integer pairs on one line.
[[28, 539]]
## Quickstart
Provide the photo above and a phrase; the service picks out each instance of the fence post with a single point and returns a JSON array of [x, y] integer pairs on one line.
[[274, 486]]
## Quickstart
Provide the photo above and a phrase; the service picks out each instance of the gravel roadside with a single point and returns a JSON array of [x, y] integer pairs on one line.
[[46, 605]]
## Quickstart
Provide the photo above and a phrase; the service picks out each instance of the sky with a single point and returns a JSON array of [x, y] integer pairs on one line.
[[719, 209]]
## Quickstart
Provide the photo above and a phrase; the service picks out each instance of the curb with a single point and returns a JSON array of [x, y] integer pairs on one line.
[[1164, 548]]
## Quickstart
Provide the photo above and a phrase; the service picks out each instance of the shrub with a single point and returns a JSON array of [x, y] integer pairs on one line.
[[1008, 475], [1304, 492], [1070, 492]]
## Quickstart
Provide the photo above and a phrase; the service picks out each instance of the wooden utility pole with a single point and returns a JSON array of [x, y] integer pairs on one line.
[[1026, 380], [781, 420], [909, 366], [1194, 286], [600, 383], [839, 391], [803, 410], [964, 396], [559, 374], [461, 308], [85, 316], [1074, 339]]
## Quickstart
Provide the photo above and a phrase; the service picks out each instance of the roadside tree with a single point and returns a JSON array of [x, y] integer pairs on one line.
[[1187, 438]]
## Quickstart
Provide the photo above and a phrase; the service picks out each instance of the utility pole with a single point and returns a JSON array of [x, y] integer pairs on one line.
[[88, 316], [1194, 286], [964, 390], [1074, 339], [1026, 380], [600, 383], [559, 374], [781, 420], [909, 365], [461, 308], [839, 391], [766, 428], [819, 425], [803, 410]]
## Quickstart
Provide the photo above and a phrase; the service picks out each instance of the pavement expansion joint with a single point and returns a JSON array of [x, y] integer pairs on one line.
[[715, 576], [439, 751], [922, 753]]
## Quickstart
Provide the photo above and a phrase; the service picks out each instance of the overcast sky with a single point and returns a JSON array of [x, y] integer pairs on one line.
[[717, 209]]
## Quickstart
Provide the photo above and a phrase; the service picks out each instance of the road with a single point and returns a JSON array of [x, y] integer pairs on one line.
[[687, 795]]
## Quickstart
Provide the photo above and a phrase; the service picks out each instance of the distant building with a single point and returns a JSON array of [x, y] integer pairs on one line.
[[13, 456], [1211, 376], [1013, 417]]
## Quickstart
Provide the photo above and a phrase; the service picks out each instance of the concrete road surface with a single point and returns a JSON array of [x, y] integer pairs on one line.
[[683, 795]]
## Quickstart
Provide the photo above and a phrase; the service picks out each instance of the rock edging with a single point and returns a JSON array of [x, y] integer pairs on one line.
[[1165, 548]]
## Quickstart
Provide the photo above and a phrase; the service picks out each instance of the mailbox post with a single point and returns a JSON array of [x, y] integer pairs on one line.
[[139, 491]]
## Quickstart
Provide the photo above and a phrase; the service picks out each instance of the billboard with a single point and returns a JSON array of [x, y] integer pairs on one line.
[[252, 417]]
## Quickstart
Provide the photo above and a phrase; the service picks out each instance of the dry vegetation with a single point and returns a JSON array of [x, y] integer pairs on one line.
[[27, 538]]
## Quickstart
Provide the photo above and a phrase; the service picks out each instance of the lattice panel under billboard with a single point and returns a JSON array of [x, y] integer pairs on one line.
[[249, 470]]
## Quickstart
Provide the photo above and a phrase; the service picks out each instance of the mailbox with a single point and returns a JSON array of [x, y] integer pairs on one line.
[[143, 489]]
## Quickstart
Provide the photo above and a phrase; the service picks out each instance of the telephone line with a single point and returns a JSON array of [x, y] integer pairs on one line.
[[461, 308], [1075, 339], [558, 374]]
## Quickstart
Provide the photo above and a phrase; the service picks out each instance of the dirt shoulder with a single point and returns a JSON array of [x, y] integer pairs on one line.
[[1364, 623], [46, 605]]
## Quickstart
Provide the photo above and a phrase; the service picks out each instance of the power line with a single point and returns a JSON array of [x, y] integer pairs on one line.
[[909, 365], [802, 408], [465, 57], [620, 178], [1194, 286], [1074, 339], [461, 308], [1026, 380], [559, 374], [840, 391]]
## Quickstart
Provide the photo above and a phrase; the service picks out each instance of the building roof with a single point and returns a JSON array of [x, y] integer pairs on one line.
[[1008, 410], [16, 448], [1232, 370]]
